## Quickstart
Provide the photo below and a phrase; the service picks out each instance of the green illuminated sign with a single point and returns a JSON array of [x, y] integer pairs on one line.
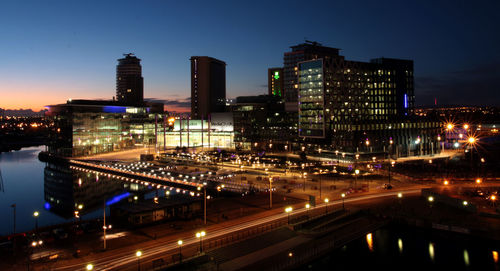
[[276, 75]]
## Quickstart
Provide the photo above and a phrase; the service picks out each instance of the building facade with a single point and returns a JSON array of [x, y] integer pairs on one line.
[[261, 122], [355, 106], [301, 52], [129, 81], [275, 82], [208, 86], [83, 127]]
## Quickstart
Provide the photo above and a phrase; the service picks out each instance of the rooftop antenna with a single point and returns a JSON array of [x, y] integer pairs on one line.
[[129, 54]]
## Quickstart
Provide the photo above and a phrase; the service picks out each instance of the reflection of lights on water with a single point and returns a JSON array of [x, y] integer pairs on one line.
[[466, 257], [495, 256], [369, 241], [431, 251], [400, 245]]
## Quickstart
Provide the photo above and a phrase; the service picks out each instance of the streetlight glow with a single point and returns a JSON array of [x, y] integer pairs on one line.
[[471, 140], [35, 214], [90, 266], [430, 198], [138, 253]]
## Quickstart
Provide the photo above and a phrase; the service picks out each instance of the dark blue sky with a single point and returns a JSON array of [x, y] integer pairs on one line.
[[54, 50]]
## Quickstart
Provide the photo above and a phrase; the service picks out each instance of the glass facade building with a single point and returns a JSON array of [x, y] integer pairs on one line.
[[311, 99], [83, 128]]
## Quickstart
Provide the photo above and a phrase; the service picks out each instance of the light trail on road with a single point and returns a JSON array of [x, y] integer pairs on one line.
[[120, 259]]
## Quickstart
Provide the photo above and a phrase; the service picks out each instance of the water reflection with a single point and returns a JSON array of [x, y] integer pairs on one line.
[[400, 245], [466, 257], [431, 251], [369, 241], [65, 190]]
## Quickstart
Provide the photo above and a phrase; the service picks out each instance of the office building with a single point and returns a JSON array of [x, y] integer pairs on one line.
[[301, 52], [356, 106], [129, 81], [261, 122], [208, 86], [275, 82]]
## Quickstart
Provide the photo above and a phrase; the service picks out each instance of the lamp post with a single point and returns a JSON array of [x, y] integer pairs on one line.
[[200, 236], [36, 214], [104, 228], [320, 186], [138, 254], [343, 197], [270, 192], [356, 172], [180, 250], [326, 205], [288, 210], [307, 208], [90, 266]]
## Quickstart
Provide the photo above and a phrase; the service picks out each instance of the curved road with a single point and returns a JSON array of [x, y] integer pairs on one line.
[[120, 259]]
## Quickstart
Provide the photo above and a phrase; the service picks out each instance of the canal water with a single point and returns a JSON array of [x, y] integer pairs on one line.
[[55, 192], [408, 248]]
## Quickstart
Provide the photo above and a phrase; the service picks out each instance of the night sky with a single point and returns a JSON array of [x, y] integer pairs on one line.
[[55, 50]]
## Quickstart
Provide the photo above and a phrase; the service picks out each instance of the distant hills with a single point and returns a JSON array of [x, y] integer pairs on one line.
[[21, 112]]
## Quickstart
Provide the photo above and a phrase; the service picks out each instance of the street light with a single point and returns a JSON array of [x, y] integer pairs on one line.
[[288, 210], [180, 250], [200, 235], [270, 192], [326, 205], [307, 207], [356, 172], [36, 214], [343, 197], [138, 254], [90, 266], [104, 228]]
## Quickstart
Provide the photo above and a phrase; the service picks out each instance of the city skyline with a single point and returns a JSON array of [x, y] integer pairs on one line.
[[55, 51]]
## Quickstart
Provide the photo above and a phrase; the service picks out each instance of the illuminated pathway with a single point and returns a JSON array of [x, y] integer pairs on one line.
[[125, 258], [132, 176]]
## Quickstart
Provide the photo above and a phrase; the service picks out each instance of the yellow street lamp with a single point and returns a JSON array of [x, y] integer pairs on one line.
[[326, 205], [200, 235], [180, 250], [307, 207], [90, 266], [36, 214], [466, 126], [343, 197], [471, 140], [138, 254], [449, 126], [288, 210], [400, 195], [430, 198]]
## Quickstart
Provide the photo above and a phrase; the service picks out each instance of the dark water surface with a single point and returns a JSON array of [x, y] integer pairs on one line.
[[407, 248]]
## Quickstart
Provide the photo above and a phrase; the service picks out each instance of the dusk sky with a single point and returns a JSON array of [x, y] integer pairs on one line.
[[55, 50]]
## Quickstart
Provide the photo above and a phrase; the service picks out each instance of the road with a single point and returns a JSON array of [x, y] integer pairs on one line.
[[124, 258]]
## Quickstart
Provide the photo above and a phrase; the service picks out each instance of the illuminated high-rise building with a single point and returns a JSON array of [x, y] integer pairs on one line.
[[301, 52], [129, 81], [275, 82], [208, 86]]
